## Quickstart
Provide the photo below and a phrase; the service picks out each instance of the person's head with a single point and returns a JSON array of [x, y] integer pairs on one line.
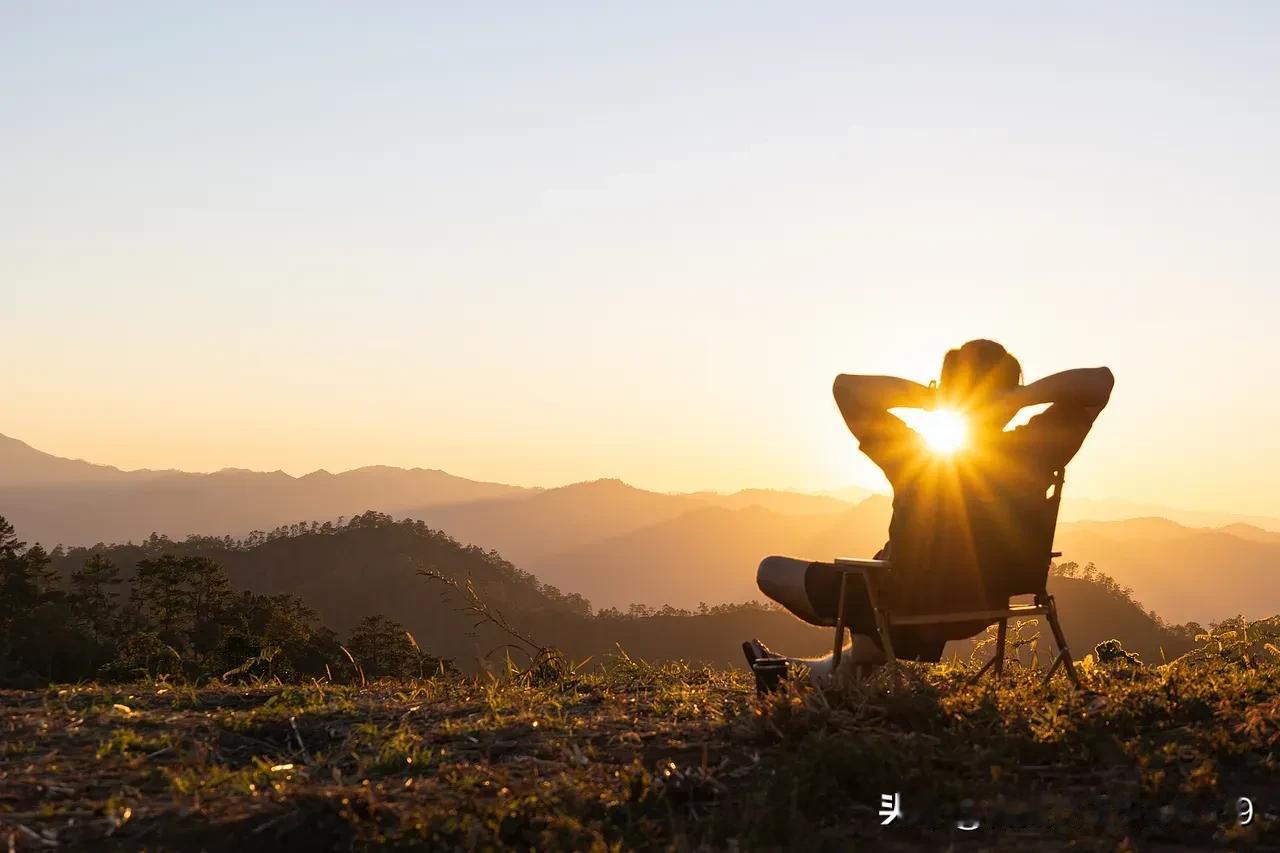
[[976, 377]]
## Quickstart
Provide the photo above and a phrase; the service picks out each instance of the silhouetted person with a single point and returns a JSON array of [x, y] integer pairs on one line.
[[974, 506]]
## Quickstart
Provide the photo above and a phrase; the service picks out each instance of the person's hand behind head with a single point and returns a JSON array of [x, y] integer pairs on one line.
[[999, 408], [1012, 399]]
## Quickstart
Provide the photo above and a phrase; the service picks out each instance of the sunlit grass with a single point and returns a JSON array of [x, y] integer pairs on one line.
[[664, 756]]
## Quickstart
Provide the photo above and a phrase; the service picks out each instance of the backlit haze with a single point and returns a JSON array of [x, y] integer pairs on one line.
[[546, 243]]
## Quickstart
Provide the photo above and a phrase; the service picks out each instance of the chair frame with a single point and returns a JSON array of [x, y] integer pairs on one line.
[[872, 574]]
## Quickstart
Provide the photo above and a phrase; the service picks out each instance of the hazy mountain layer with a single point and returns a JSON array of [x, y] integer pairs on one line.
[[1184, 574], [615, 544], [74, 502]]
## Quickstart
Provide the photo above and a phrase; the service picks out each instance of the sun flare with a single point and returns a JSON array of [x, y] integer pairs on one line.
[[943, 430]]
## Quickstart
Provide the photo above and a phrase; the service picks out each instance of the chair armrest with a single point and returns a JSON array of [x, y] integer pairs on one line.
[[855, 563]]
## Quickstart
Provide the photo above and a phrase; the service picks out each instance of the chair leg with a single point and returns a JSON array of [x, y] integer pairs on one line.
[[1064, 653], [882, 624], [839, 645]]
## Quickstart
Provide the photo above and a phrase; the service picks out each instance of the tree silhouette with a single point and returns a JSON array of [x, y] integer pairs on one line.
[[382, 647], [30, 607], [92, 595]]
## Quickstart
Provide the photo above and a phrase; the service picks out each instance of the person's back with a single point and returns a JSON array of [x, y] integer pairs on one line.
[[965, 525], [965, 517]]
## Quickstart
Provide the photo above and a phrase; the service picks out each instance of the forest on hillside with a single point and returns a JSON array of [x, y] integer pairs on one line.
[[372, 596], [181, 609]]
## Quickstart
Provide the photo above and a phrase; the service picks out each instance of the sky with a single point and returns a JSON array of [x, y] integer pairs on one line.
[[544, 243]]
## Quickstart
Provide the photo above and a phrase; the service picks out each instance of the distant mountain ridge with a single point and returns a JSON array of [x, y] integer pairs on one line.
[[24, 468], [22, 465], [1076, 508], [528, 526], [74, 502]]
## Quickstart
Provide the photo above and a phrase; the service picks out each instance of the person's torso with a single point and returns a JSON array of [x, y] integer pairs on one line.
[[965, 526]]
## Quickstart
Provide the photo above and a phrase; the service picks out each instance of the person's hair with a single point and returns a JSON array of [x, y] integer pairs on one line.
[[978, 370]]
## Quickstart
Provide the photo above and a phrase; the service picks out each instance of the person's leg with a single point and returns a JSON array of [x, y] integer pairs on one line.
[[864, 650], [861, 651], [810, 590]]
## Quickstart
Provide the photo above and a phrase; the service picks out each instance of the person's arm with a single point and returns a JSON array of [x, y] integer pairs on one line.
[[1085, 387], [864, 400], [1078, 397]]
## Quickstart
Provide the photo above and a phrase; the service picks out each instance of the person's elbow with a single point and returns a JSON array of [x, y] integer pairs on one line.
[[849, 394], [850, 389], [840, 386], [1104, 382]]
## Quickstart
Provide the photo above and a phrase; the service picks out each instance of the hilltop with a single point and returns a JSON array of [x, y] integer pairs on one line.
[[646, 757]]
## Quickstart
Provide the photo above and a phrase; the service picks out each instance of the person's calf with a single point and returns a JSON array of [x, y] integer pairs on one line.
[[861, 651], [865, 650]]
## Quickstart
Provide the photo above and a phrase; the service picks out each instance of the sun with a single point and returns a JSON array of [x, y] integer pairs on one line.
[[943, 430]]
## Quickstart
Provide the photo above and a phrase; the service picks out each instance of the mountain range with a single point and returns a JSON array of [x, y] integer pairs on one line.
[[371, 566], [618, 545]]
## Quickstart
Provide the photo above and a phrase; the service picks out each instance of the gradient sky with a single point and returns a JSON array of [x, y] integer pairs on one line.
[[541, 243]]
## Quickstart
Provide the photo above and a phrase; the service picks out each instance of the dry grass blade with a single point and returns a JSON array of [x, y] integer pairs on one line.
[[355, 665]]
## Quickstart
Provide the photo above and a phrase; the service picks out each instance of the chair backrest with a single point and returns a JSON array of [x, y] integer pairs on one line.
[[956, 557], [1027, 571]]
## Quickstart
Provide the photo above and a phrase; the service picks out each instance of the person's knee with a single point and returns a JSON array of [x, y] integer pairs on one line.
[[776, 574], [782, 579]]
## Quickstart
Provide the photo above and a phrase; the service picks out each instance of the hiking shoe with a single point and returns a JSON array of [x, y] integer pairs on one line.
[[769, 668]]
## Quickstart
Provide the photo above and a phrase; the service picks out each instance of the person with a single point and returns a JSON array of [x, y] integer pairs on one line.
[[975, 506]]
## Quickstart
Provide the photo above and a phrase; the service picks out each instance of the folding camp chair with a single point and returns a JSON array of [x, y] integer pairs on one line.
[[1027, 580]]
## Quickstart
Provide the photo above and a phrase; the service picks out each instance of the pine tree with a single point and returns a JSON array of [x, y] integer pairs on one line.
[[93, 593], [382, 647]]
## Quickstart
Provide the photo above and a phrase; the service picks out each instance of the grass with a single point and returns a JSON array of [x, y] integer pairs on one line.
[[656, 757]]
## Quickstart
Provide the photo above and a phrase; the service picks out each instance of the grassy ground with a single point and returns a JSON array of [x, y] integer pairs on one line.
[[641, 756]]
